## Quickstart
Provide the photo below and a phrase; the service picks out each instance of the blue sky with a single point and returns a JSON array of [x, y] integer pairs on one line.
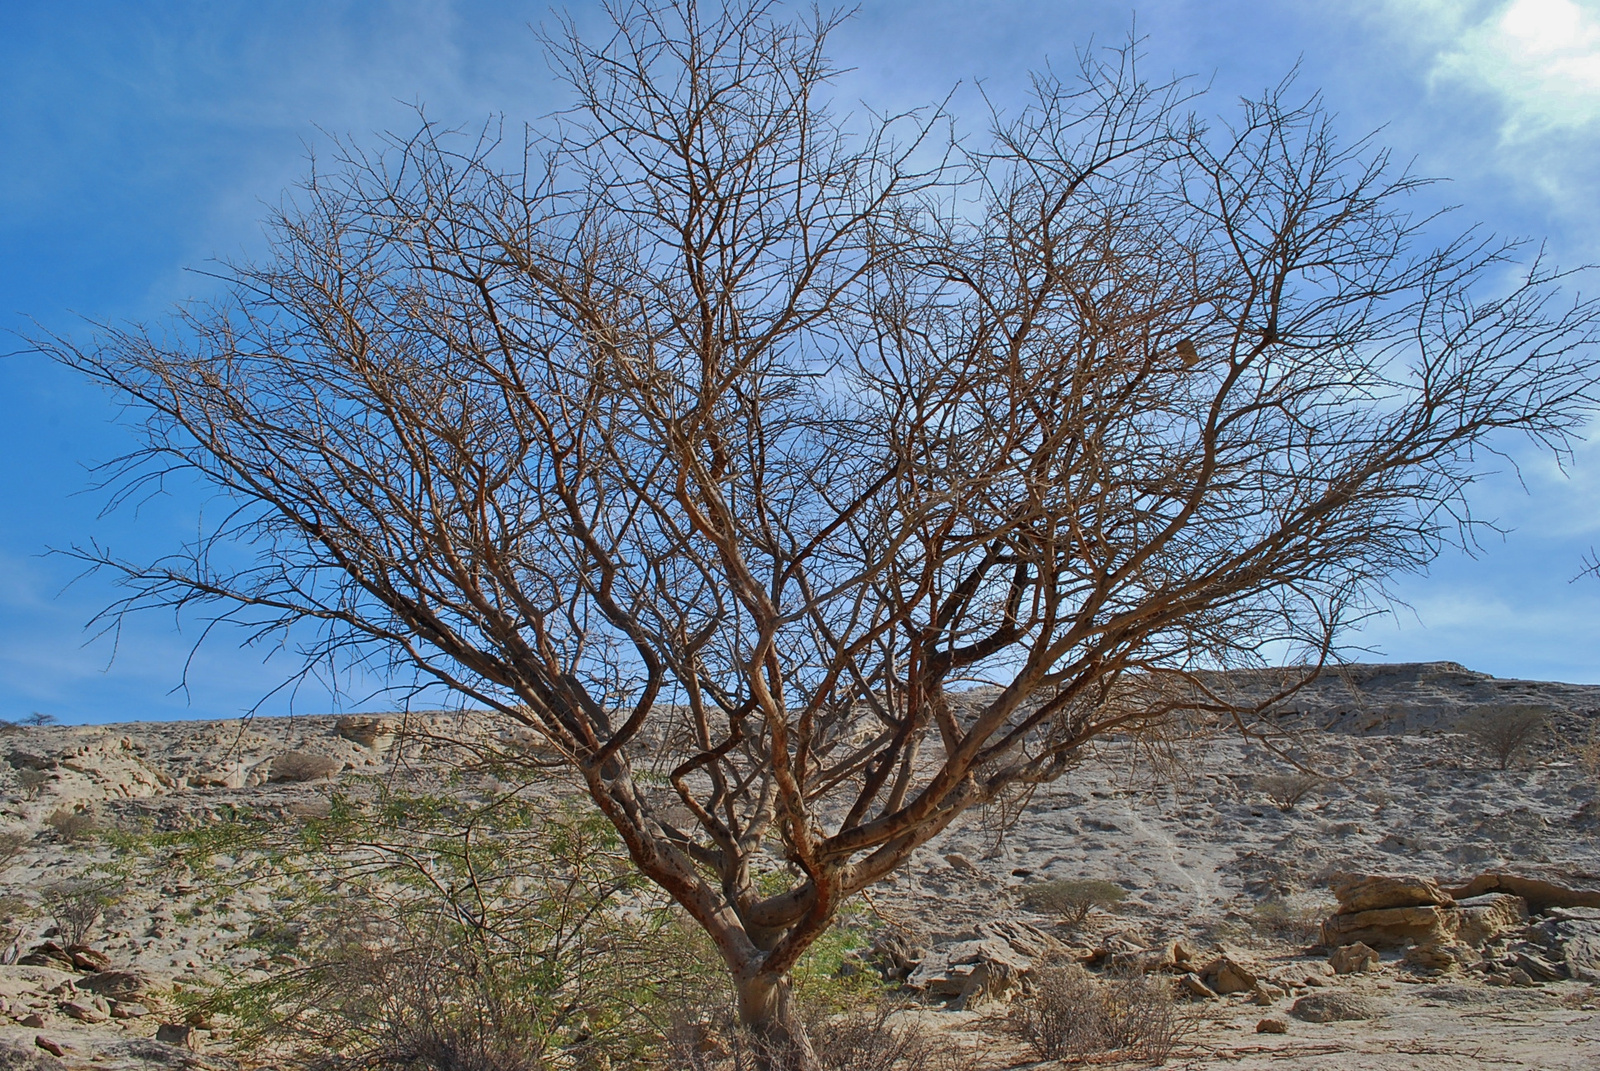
[[139, 142]]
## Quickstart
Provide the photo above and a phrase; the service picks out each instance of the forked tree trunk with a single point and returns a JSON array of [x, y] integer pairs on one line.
[[778, 1035]]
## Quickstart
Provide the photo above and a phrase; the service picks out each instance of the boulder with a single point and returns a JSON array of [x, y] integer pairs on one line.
[[84, 1013], [48, 954], [181, 1035], [1225, 974], [1357, 893], [1193, 985], [116, 985], [1392, 927], [1334, 1007], [1440, 958], [1272, 1025], [1354, 958], [997, 946], [88, 959], [1487, 916], [991, 982]]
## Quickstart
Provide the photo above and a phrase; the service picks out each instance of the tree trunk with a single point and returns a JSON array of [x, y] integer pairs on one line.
[[778, 1036]]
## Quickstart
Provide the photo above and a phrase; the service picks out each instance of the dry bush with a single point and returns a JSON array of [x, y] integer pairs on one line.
[[867, 1039], [1504, 733], [11, 844], [295, 766], [72, 824], [32, 782], [1071, 899], [76, 906], [1589, 753], [1286, 790], [1276, 919], [1071, 1015]]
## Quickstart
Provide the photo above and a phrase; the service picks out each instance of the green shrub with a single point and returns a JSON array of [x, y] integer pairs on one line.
[[1071, 899]]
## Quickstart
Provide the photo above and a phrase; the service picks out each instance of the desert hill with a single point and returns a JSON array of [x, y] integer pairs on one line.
[[1211, 855]]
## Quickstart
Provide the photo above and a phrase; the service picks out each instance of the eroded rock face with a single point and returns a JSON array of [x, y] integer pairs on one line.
[[1574, 934], [1485, 917]]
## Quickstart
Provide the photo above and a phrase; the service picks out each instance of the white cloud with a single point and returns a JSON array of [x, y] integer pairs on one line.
[[1541, 58]]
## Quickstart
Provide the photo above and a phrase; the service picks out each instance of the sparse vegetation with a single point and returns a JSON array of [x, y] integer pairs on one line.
[[1071, 899], [38, 719], [1071, 1015], [1287, 790], [1505, 733]]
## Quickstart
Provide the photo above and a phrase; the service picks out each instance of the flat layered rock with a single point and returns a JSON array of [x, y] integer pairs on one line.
[[1392, 927], [1541, 894], [1335, 1007], [1374, 892]]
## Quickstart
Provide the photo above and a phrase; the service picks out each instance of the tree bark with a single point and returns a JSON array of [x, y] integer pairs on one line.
[[778, 1035]]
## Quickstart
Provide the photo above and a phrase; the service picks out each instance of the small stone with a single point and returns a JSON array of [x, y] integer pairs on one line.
[[33, 1019], [961, 862], [128, 1010], [49, 1046], [1272, 1026], [1193, 985]]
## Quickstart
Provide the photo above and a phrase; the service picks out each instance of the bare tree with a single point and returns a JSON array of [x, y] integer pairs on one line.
[[723, 435]]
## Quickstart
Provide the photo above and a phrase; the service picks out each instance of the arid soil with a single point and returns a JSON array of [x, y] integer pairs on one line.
[[1210, 863]]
